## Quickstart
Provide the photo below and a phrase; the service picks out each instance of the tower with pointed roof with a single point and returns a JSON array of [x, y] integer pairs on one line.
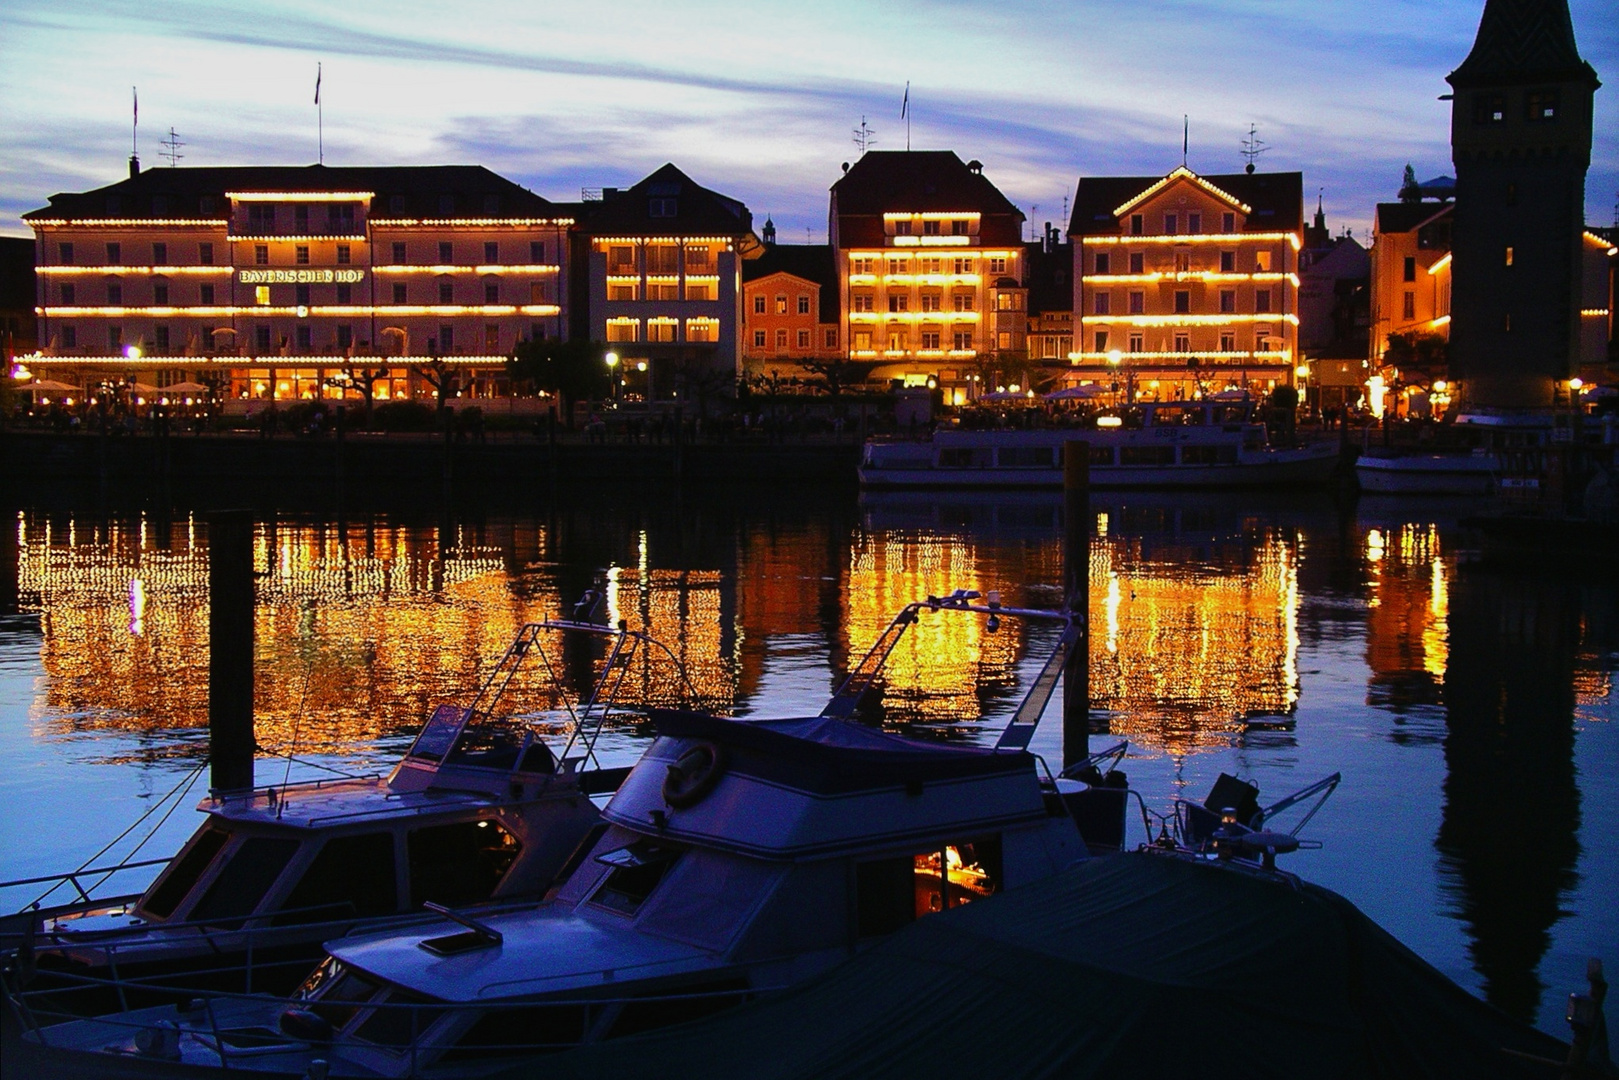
[[1521, 142]]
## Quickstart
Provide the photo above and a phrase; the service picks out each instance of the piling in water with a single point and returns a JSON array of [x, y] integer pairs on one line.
[[1076, 681], [230, 649]]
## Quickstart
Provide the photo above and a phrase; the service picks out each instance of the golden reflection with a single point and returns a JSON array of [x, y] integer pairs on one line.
[[1407, 623]]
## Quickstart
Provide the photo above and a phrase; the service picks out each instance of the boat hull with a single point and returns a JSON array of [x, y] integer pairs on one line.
[[1428, 474]]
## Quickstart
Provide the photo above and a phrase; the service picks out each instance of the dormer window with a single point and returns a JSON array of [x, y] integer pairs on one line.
[[902, 227], [1489, 109], [958, 228], [661, 207], [930, 227], [1541, 106]]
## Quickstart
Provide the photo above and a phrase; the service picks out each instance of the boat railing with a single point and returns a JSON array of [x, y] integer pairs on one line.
[[76, 879]]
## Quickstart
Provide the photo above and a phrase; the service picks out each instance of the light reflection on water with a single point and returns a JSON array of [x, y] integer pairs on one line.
[[1471, 711]]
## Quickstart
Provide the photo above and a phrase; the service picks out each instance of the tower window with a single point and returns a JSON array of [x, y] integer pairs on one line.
[[1509, 254], [1137, 225], [1410, 268], [1489, 109], [1541, 105]]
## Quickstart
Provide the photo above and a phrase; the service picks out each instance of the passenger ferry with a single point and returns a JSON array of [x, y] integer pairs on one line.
[[1152, 445]]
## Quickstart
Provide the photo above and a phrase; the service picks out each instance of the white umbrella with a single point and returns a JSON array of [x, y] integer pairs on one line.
[[187, 388], [1076, 393], [49, 386]]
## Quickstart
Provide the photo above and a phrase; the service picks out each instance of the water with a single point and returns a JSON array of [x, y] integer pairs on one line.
[[1470, 708]]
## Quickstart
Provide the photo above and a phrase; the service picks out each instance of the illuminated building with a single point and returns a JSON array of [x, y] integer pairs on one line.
[[930, 267], [1521, 119], [1050, 264], [16, 299], [1187, 283], [1334, 314], [1410, 287], [280, 283], [662, 264], [789, 306]]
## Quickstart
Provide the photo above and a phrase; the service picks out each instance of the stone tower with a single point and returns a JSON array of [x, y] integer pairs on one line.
[[1521, 142]]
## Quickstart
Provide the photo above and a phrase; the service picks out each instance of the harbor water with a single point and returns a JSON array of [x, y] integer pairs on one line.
[[1467, 702]]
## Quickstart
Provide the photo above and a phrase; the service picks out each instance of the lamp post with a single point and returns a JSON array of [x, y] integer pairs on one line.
[[612, 372]]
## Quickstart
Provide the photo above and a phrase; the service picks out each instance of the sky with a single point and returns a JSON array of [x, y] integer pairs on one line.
[[759, 100]]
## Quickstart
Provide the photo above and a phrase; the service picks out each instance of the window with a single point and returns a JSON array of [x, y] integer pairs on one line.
[[345, 294], [902, 227], [958, 228], [1194, 223], [1228, 262], [1489, 109], [1102, 262], [245, 879], [160, 292], [963, 301], [781, 305], [160, 254], [300, 295], [460, 863], [160, 338], [621, 259], [758, 339], [997, 265], [491, 338], [304, 339], [1101, 341], [1410, 268], [1228, 301], [803, 339], [261, 338], [300, 218], [1005, 301], [862, 340], [930, 337], [115, 254], [1262, 263], [399, 292], [491, 251], [1262, 301], [781, 339], [446, 252], [758, 304], [446, 290], [345, 336], [68, 294], [621, 293], [1183, 341], [930, 227], [931, 301], [70, 337], [260, 219], [1183, 302], [896, 341], [1005, 340], [261, 295], [635, 871], [963, 340], [898, 302], [963, 266], [115, 292], [340, 217], [1228, 223], [536, 332], [890, 893], [446, 338], [697, 291], [538, 292], [343, 255], [860, 266], [536, 251], [1138, 225], [1509, 255], [1183, 262], [861, 302], [399, 253], [623, 330], [896, 266], [184, 874], [205, 294], [1171, 224], [1135, 342], [803, 303], [1138, 262], [205, 254], [1228, 342], [829, 338], [1102, 303], [662, 259], [261, 254], [661, 208], [1408, 310], [491, 291], [1138, 302], [64, 253], [661, 329]]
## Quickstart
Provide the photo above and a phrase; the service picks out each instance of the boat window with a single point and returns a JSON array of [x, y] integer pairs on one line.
[[460, 863], [972, 871], [352, 876], [884, 895], [336, 992], [1101, 455], [167, 892], [489, 745], [438, 734], [1146, 455], [637, 869], [1026, 457], [965, 457], [400, 1018], [501, 1031], [1199, 455], [686, 1004], [241, 885]]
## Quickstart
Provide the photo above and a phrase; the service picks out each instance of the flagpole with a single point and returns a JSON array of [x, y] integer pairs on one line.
[[320, 120]]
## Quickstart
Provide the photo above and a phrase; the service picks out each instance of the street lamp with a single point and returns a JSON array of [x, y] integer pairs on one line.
[[612, 371]]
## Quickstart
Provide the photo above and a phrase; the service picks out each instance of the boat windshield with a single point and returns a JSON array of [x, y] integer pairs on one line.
[[335, 991], [167, 891]]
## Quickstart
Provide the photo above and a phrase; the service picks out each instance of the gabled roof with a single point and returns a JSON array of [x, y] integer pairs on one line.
[[1407, 216], [1521, 40], [812, 262], [922, 181], [415, 191], [1274, 201], [698, 211]]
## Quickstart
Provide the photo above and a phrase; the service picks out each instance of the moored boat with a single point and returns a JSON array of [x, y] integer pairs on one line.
[[1464, 473]]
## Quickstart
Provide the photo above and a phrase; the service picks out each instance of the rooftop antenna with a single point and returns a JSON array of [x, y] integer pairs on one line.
[[320, 120], [807, 239], [1065, 211], [1252, 147], [1034, 213], [864, 137], [171, 149], [905, 115]]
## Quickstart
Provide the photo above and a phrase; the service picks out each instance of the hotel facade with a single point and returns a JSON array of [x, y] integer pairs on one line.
[[285, 284], [1187, 284]]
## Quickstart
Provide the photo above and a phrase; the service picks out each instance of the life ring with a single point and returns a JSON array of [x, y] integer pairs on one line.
[[693, 775]]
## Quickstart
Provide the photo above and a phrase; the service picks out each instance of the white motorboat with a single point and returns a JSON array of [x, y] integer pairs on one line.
[[1466, 473], [480, 812], [1184, 444], [737, 858]]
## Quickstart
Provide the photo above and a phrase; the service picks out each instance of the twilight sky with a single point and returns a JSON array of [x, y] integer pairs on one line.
[[758, 100]]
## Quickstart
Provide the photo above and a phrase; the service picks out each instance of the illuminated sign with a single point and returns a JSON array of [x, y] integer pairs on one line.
[[300, 277]]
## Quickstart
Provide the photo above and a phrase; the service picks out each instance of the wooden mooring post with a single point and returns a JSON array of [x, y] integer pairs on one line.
[[1076, 676], [230, 650]]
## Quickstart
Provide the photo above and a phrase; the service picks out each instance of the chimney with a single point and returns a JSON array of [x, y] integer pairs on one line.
[[134, 166]]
